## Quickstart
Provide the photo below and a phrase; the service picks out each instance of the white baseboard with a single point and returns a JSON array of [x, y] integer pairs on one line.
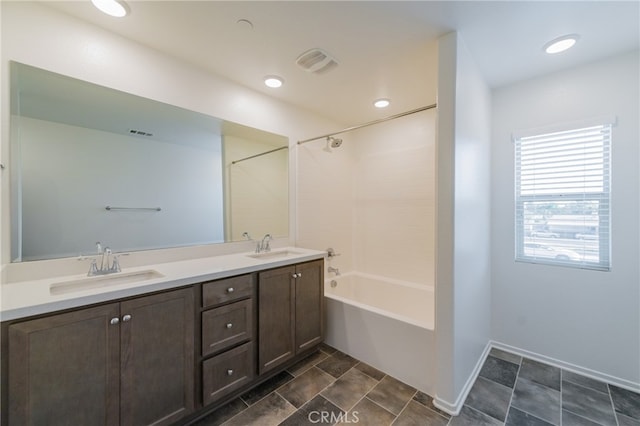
[[454, 408], [623, 383]]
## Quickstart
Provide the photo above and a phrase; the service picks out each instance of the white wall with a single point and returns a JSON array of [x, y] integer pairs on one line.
[[39, 36], [589, 320], [463, 289]]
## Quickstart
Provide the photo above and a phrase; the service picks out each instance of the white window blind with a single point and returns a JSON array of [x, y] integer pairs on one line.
[[562, 198]]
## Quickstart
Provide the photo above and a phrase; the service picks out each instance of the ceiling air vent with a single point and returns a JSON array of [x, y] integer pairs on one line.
[[140, 132], [316, 61]]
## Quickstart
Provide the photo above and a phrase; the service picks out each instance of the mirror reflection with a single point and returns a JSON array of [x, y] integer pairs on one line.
[[90, 163]]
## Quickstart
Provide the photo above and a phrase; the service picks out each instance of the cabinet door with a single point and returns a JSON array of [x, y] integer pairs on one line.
[[64, 369], [276, 317], [157, 361], [309, 304]]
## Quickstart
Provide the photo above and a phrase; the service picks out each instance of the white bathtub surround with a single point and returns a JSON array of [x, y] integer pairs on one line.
[[373, 200], [385, 323]]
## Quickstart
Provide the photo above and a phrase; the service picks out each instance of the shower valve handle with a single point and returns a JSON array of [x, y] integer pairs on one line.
[[332, 253]]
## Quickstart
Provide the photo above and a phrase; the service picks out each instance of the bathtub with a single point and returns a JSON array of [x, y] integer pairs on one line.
[[386, 323]]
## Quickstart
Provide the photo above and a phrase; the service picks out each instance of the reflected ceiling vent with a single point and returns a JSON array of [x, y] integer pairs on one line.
[[316, 61], [139, 132]]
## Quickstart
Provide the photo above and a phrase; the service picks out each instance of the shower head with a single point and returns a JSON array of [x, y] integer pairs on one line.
[[334, 142]]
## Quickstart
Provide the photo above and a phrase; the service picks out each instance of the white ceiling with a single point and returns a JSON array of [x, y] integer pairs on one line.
[[384, 48]]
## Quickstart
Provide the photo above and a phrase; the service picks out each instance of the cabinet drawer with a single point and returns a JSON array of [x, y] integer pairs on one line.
[[227, 372], [226, 326], [227, 290]]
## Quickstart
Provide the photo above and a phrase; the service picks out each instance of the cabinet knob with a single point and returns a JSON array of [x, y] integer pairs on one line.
[[230, 290], [229, 372], [229, 325], [299, 274], [114, 321], [126, 318], [294, 276]]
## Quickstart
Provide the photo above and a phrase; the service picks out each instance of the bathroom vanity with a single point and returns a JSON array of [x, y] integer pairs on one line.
[[162, 351]]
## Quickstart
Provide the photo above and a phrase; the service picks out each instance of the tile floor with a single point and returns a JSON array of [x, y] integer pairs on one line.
[[331, 387]]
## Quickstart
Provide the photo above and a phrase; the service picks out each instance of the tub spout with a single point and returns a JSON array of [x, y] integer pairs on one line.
[[334, 270]]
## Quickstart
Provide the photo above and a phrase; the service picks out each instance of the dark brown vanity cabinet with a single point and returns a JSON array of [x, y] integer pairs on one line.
[[290, 312], [123, 363], [227, 324]]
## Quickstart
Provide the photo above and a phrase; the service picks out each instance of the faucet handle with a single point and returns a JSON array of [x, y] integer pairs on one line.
[[115, 266], [93, 268]]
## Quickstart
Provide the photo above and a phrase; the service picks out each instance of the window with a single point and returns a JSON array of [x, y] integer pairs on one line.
[[562, 197]]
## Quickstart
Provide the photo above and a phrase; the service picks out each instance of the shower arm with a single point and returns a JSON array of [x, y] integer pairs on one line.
[[370, 123]]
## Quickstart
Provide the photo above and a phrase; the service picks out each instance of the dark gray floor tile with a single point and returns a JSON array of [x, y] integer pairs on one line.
[[391, 394], [270, 410], [500, 371], [264, 389], [540, 373], [222, 414], [317, 411], [536, 399], [337, 364], [367, 412], [626, 402], [349, 389], [520, 418], [587, 382], [329, 350], [490, 398], [626, 421], [427, 401], [471, 417], [505, 356], [588, 403], [370, 371], [416, 414], [306, 386], [302, 366], [571, 419]]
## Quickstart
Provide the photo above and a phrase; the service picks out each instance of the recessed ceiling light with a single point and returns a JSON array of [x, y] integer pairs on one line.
[[561, 44], [115, 8], [381, 103], [273, 81]]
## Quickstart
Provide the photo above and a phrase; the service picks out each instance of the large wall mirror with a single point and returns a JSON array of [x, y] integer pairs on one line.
[[89, 163]]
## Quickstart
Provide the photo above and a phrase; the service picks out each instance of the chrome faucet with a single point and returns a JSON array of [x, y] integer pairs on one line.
[[107, 266], [334, 270], [264, 244]]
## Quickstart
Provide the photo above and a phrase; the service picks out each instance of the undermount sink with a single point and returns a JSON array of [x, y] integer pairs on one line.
[[103, 281], [274, 254]]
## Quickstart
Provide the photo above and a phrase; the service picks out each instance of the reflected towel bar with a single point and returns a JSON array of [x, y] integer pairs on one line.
[[109, 208]]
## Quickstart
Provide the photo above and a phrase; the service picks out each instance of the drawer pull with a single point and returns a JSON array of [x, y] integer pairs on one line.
[[229, 372], [230, 290], [229, 325]]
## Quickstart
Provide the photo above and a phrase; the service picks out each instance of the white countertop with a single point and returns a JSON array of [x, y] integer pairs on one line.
[[27, 298]]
